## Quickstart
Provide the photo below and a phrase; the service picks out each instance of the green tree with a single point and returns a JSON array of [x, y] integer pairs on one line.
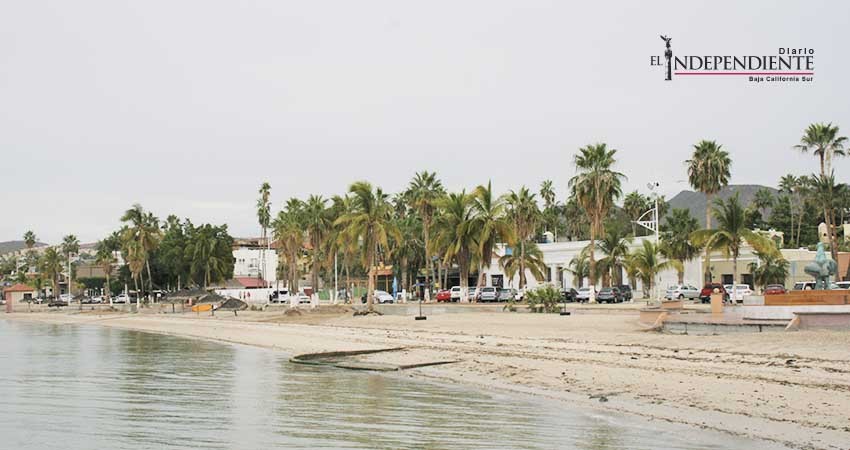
[[210, 252], [318, 223], [647, 262], [596, 186], [579, 267], [264, 217], [635, 205], [288, 230], [614, 244], [490, 216], [676, 238], [523, 216], [140, 237], [424, 191], [514, 263], [824, 192], [788, 186], [456, 232], [105, 258], [731, 233], [708, 172], [547, 193], [824, 142], [70, 246], [51, 266], [371, 224], [762, 200], [771, 269]]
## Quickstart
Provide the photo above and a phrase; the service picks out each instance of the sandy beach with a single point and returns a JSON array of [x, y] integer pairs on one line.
[[792, 388]]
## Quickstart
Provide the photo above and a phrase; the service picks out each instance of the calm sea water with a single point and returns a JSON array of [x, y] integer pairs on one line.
[[85, 387]]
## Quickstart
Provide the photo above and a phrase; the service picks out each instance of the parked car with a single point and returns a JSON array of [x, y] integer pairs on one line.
[[507, 294], [380, 297], [569, 295], [488, 294], [609, 295], [804, 286], [626, 290], [738, 292], [583, 295], [709, 288], [681, 291], [473, 294], [278, 296], [774, 289], [456, 293], [842, 284], [444, 295], [57, 303], [122, 298], [67, 298]]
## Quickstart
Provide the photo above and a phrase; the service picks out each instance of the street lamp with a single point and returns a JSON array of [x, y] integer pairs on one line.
[[651, 223]]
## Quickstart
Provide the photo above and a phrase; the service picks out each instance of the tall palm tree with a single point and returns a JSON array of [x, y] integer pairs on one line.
[[318, 223], [614, 244], [822, 140], [676, 238], [634, 205], [596, 186], [823, 190], [143, 230], [424, 192], [647, 262], [371, 224], [105, 258], [456, 232], [264, 217], [51, 265], [523, 216], [788, 185], [708, 172], [731, 233], [762, 200], [547, 193], [70, 246], [490, 217], [288, 231], [30, 241], [343, 205]]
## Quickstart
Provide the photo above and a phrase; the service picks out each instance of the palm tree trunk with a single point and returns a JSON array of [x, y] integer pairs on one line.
[[404, 271], [480, 282], [463, 265], [707, 266], [681, 276], [370, 285], [522, 280], [429, 272], [314, 272], [150, 279]]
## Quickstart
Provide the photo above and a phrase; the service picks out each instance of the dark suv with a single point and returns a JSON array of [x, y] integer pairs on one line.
[[568, 295], [708, 289]]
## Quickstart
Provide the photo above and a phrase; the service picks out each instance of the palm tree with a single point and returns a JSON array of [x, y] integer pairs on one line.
[[371, 224], [708, 172], [140, 237], [788, 185], [264, 217], [596, 187], [70, 246], [105, 258], [580, 269], [318, 223], [823, 140], [30, 241], [51, 266], [676, 238], [288, 231], [823, 190], [343, 205], [762, 200], [635, 205], [647, 263], [547, 193], [771, 269], [531, 260], [456, 231], [424, 191], [731, 233], [614, 244], [493, 227], [523, 216]]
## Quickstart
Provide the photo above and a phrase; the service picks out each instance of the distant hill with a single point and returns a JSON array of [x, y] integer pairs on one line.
[[695, 201], [13, 246]]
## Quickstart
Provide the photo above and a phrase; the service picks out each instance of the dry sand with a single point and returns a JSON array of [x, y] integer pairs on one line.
[[791, 388]]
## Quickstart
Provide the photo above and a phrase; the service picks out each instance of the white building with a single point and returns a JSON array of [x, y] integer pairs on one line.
[[248, 255]]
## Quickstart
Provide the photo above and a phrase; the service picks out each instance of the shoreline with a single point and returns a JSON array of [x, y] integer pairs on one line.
[[639, 374]]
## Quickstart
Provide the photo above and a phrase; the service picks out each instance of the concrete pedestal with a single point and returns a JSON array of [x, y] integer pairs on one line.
[[717, 304]]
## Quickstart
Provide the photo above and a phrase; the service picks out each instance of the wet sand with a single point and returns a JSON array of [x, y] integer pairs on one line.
[[790, 388]]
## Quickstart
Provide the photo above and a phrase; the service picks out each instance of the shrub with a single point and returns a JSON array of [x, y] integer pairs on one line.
[[546, 295]]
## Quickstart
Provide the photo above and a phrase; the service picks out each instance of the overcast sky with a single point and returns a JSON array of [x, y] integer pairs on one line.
[[187, 106]]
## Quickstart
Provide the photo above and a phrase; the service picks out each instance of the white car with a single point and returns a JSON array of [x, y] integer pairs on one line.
[[740, 291], [455, 294], [66, 298], [383, 297], [681, 292], [583, 295], [123, 298], [473, 294]]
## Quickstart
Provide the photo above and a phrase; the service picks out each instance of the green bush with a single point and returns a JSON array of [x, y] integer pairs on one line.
[[547, 296]]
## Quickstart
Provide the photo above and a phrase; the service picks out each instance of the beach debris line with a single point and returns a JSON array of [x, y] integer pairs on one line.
[[344, 360]]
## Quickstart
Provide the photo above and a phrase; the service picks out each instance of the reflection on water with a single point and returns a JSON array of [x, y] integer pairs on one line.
[[74, 387]]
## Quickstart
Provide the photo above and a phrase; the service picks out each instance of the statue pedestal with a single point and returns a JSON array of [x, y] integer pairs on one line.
[[717, 304]]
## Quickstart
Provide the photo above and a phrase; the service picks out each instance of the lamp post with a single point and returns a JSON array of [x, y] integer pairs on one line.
[[420, 316], [652, 224]]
